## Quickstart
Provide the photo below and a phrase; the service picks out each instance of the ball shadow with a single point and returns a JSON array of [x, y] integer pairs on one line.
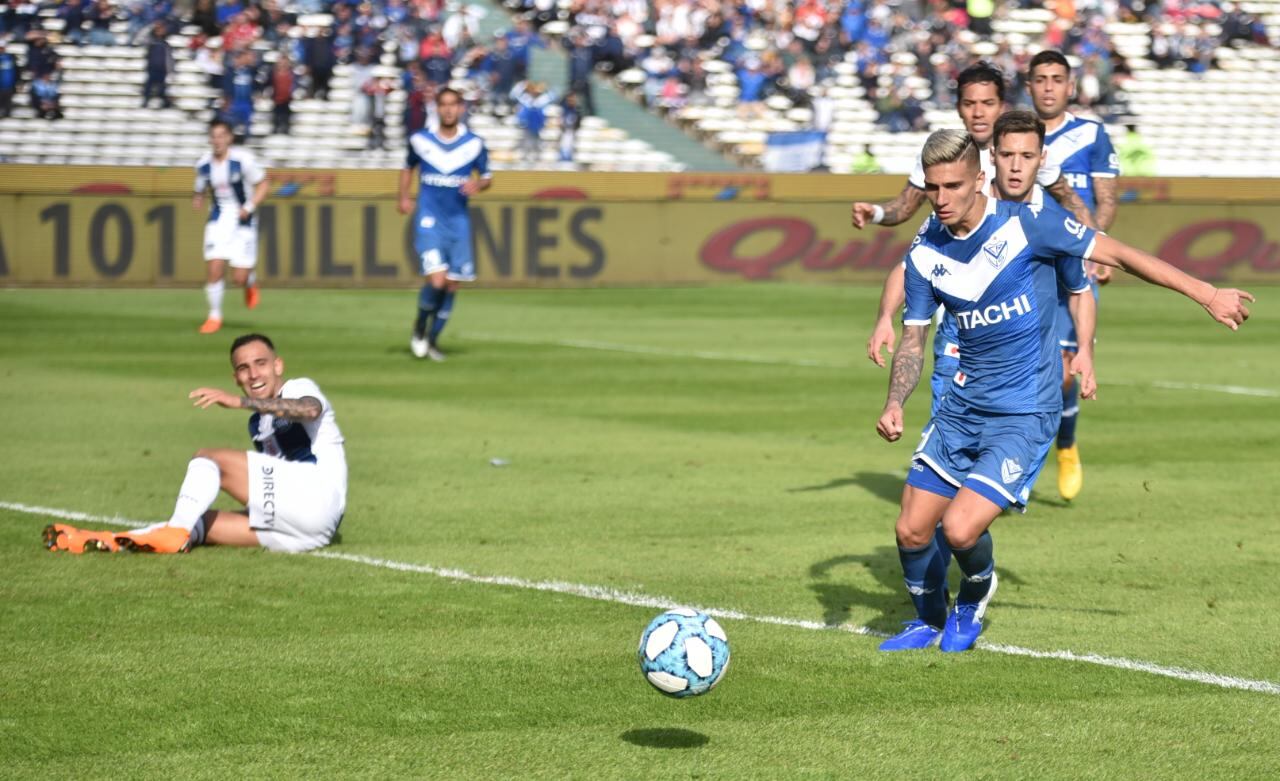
[[665, 737]]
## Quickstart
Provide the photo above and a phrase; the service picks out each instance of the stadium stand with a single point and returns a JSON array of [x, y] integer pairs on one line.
[[867, 73]]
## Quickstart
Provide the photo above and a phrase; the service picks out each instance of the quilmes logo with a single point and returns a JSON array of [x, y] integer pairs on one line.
[[939, 270], [1010, 470], [996, 313], [995, 252]]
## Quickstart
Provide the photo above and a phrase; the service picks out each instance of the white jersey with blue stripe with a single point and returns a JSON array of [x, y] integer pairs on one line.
[[1000, 283], [444, 165], [232, 180], [1083, 150]]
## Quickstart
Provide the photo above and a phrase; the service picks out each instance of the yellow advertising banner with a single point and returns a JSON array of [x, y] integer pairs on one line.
[[135, 227]]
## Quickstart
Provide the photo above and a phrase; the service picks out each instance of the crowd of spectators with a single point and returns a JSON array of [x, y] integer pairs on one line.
[[905, 53]]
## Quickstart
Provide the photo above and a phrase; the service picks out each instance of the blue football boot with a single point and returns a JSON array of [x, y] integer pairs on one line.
[[964, 623], [916, 636]]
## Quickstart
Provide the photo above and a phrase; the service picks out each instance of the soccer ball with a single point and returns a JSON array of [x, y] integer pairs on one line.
[[683, 653]]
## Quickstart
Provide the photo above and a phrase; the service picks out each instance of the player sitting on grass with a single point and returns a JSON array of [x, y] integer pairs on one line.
[[293, 485], [994, 266]]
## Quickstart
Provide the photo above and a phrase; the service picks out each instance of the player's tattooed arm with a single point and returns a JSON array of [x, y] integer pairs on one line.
[[306, 409], [1070, 200], [896, 212], [908, 362], [1104, 192]]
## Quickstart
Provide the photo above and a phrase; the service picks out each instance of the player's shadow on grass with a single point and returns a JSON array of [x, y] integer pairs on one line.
[[665, 737], [880, 484], [890, 602]]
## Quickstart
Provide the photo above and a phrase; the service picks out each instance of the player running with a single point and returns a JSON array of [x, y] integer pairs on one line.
[[231, 234], [293, 484], [1082, 149], [453, 165], [980, 102], [995, 266]]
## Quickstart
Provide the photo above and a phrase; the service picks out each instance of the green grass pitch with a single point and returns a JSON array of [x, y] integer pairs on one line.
[[713, 445]]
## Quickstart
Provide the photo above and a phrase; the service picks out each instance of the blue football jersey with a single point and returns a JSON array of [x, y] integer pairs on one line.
[[1082, 149], [443, 166], [1000, 283]]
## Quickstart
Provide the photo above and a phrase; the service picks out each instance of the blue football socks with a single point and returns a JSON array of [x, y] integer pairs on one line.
[[976, 565], [1070, 414], [925, 574]]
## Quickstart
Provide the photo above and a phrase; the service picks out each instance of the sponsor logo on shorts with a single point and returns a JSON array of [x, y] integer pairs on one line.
[[1010, 470], [440, 180], [268, 495]]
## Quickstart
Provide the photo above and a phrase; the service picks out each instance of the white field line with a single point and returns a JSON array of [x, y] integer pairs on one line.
[[605, 594], [588, 344]]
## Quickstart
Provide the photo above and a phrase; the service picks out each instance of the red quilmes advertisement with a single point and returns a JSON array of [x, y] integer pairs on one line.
[[1212, 242]]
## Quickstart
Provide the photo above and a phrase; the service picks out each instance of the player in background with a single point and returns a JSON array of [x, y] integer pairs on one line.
[[1083, 151], [980, 90], [996, 267], [239, 186], [293, 484], [452, 165]]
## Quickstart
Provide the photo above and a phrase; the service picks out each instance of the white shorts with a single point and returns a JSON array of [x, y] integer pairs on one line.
[[226, 239], [294, 506]]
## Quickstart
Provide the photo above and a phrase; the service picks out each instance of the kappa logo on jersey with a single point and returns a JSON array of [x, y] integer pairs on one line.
[[1010, 470], [995, 252], [939, 270], [996, 313]]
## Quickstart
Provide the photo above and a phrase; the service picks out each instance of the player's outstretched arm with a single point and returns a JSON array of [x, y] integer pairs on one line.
[[1084, 315], [1070, 200], [891, 300], [305, 409], [1226, 305], [895, 212], [406, 195], [903, 378]]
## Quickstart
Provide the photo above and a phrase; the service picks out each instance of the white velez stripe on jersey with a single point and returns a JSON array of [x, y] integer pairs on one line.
[[606, 594], [1072, 141], [968, 281], [446, 161]]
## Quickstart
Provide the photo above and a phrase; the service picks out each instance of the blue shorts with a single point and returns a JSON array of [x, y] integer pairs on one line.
[[998, 456], [1067, 329], [945, 367], [445, 247]]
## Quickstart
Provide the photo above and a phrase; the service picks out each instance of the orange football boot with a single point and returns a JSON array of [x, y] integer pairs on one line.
[[251, 296], [166, 539], [60, 536], [211, 326]]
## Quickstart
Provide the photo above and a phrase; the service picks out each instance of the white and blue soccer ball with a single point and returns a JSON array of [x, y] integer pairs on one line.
[[684, 653]]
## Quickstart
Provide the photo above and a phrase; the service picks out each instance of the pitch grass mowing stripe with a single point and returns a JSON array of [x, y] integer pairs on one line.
[[605, 594], [583, 344]]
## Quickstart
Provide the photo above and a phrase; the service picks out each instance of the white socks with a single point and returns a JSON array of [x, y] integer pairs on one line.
[[252, 279], [198, 491], [213, 293]]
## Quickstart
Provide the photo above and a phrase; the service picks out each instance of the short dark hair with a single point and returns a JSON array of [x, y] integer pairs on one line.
[[220, 122], [449, 91], [981, 72], [1017, 121], [1048, 57], [244, 339]]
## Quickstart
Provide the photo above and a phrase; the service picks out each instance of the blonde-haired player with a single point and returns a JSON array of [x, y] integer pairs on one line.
[[231, 234]]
